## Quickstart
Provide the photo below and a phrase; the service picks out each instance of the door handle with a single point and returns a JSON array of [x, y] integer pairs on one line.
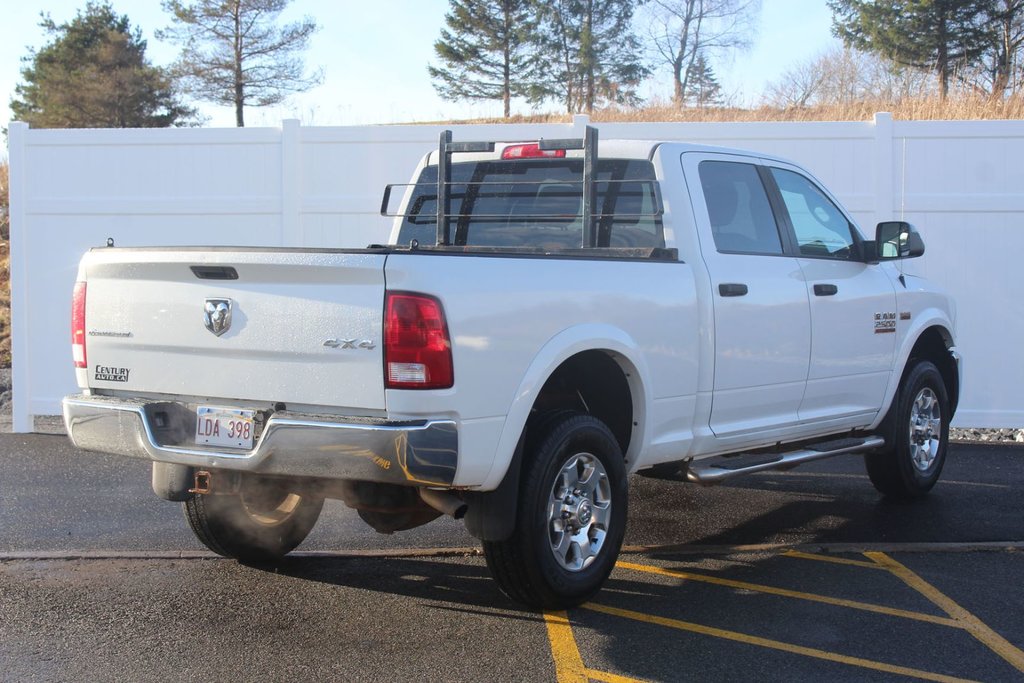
[[825, 290], [732, 289]]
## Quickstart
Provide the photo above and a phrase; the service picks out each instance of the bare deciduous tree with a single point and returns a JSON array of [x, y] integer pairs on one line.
[[799, 86], [1001, 68], [680, 30], [841, 75]]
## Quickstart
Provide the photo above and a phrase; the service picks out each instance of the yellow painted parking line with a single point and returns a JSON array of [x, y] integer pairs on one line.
[[975, 626], [771, 644], [799, 595], [607, 677], [829, 558], [568, 663]]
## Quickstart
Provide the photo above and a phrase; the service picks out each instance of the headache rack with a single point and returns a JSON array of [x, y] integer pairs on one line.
[[591, 237]]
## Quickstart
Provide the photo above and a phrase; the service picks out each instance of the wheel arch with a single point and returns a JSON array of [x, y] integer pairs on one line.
[[589, 346], [580, 363], [935, 344], [932, 341]]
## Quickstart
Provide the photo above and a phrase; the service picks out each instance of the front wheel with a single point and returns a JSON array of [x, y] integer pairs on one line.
[[571, 516], [262, 521], [910, 466]]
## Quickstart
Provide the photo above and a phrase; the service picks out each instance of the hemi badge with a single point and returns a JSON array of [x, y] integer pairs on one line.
[[904, 315]]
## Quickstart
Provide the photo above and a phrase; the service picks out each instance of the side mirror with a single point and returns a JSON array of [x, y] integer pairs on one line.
[[897, 239]]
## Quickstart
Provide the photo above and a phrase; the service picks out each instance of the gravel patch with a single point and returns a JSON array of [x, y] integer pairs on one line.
[[975, 435]]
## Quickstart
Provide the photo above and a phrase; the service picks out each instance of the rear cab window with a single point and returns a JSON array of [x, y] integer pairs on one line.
[[538, 203]]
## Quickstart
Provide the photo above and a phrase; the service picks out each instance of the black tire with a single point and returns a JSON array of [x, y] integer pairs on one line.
[[264, 521], [909, 466], [525, 565]]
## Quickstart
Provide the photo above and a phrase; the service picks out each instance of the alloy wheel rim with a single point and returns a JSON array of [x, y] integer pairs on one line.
[[925, 429], [579, 512]]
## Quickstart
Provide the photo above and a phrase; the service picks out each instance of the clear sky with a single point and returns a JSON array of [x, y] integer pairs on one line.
[[374, 54]]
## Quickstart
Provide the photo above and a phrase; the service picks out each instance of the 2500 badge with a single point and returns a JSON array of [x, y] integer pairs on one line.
[[885, 322]]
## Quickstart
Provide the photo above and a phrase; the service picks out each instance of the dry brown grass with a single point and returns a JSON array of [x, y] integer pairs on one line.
[[5, 310], [4, 202], [925, 109], [5, 278]]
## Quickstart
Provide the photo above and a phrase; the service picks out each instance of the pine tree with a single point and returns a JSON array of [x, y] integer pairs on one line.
[[234, 53], [937, 35], [484, 51], [94, 74], [702, 88], [589, 53]]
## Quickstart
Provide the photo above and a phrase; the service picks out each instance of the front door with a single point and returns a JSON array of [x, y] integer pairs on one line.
[[853, 305]]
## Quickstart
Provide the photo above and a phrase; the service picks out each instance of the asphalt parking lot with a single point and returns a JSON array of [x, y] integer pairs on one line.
[[804, 575]]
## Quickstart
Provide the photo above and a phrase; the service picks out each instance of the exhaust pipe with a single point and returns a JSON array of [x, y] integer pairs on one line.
[[444, 502]]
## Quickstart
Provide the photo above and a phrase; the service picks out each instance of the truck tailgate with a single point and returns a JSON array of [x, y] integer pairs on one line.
[[305, 326]]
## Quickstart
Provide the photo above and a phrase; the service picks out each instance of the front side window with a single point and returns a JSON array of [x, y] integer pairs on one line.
[[821, 228], [741, 216]]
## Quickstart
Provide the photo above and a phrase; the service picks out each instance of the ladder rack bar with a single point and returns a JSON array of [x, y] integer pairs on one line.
[[589, 164], [444, 179]]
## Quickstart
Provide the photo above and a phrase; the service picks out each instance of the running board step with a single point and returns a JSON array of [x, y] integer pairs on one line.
[[717, 470]]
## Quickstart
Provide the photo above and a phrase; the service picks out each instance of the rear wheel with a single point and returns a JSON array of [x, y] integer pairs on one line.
[[910, 466], [263, 521], [571, 516]]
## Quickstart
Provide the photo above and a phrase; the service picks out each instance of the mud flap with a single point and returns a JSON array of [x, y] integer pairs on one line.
[[491, 515]]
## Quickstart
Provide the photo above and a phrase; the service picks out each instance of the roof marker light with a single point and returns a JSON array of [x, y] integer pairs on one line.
[[531, 151]]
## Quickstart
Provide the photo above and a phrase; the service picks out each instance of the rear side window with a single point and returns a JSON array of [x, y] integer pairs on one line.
[[538, 204], [741, 217]]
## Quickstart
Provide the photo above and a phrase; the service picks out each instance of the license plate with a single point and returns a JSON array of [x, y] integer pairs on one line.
[[230, 427]]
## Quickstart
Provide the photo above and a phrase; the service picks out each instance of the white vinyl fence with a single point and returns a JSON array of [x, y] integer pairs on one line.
[[961, 183]]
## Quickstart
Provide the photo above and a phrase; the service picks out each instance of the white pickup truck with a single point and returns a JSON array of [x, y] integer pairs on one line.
[[545, 321]]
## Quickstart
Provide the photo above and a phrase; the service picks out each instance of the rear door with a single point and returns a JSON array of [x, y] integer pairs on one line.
[[762, 320], [298, 327], [853, 304]]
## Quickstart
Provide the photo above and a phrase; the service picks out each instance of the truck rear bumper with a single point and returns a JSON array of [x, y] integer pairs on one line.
[[291, 444]]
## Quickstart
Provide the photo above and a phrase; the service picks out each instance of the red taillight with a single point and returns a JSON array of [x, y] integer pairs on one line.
[[532, 151], [417, 350], [78, 325]]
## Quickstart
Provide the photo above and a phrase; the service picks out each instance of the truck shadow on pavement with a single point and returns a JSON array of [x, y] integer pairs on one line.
[[752, 581], [452, 583], [835, 504]]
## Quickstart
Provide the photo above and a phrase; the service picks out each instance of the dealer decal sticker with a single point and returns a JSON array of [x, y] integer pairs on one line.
[[108, 374]]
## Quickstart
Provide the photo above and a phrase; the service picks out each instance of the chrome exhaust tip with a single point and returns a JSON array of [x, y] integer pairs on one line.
[[444, 502]]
